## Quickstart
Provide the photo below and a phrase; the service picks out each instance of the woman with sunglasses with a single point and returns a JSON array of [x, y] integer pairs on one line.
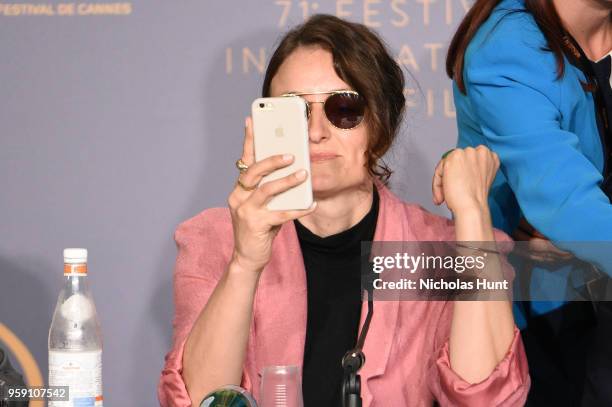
[[532, 82], [257, 288]]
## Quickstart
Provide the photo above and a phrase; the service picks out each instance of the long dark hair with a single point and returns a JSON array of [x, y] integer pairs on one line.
[[361, 60], [545, 15]]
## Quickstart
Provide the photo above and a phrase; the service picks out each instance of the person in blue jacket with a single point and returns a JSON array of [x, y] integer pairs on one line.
[[528, 83]]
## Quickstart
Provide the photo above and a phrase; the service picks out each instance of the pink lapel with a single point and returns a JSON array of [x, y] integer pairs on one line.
[[391, 226]]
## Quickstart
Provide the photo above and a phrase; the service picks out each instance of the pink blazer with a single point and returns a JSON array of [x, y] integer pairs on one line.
[[407, 360]]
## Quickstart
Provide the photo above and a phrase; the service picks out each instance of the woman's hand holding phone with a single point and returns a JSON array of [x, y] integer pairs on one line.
[[254, 225]]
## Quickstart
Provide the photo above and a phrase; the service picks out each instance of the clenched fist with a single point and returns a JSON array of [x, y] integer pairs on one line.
[[462, 179]]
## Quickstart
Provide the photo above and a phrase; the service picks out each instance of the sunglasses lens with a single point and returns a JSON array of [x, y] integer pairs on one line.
[[345, 110]]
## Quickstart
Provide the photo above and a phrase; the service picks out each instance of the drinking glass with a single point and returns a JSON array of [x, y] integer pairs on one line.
[[281, 386]]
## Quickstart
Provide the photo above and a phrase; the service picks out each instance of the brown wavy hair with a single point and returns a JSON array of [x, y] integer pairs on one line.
[[546, 17], [362, 60]]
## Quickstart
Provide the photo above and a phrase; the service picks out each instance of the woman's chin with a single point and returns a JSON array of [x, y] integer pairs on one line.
[[322, 186], [326, 185]]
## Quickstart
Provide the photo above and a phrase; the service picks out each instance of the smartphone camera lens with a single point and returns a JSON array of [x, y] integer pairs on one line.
[[261, 105]]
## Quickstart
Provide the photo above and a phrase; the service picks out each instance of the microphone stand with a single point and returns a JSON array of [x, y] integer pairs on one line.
[[354, 360]]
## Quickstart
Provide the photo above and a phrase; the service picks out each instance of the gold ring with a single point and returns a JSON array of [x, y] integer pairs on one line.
[[241, 185], [447, 153], [242, 167]]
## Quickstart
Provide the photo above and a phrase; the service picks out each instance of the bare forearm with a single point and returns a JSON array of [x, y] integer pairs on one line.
[[215, 350], [481, 331]]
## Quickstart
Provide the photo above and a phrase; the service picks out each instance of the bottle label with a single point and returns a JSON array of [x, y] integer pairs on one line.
[[81, 372], [75, 269]]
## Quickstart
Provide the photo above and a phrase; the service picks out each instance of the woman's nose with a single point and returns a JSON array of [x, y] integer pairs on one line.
[[318, 130]]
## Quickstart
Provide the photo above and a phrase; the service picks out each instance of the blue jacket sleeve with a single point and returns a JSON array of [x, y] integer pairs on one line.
[[517, 101]]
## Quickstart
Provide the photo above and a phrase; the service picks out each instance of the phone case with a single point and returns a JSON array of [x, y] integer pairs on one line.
[[280, 126]]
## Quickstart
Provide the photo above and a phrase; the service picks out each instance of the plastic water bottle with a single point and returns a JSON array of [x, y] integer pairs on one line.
[[75, 338]]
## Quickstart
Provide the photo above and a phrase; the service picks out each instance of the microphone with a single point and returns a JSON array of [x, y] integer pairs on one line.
[[353, 361]]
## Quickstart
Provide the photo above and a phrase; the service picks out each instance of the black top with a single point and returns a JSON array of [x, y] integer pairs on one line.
[[603, 100], [334, 305], [602, 69]]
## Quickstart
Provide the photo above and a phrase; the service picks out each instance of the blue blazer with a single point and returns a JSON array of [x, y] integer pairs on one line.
[[543, 129]]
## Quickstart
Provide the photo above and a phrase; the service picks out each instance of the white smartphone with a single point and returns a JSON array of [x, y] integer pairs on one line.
[[280, 126]]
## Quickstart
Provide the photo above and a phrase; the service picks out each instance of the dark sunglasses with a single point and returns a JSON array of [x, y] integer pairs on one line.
[[344, 109]]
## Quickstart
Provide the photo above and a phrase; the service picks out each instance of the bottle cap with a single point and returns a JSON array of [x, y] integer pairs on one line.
[[75, 256]]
